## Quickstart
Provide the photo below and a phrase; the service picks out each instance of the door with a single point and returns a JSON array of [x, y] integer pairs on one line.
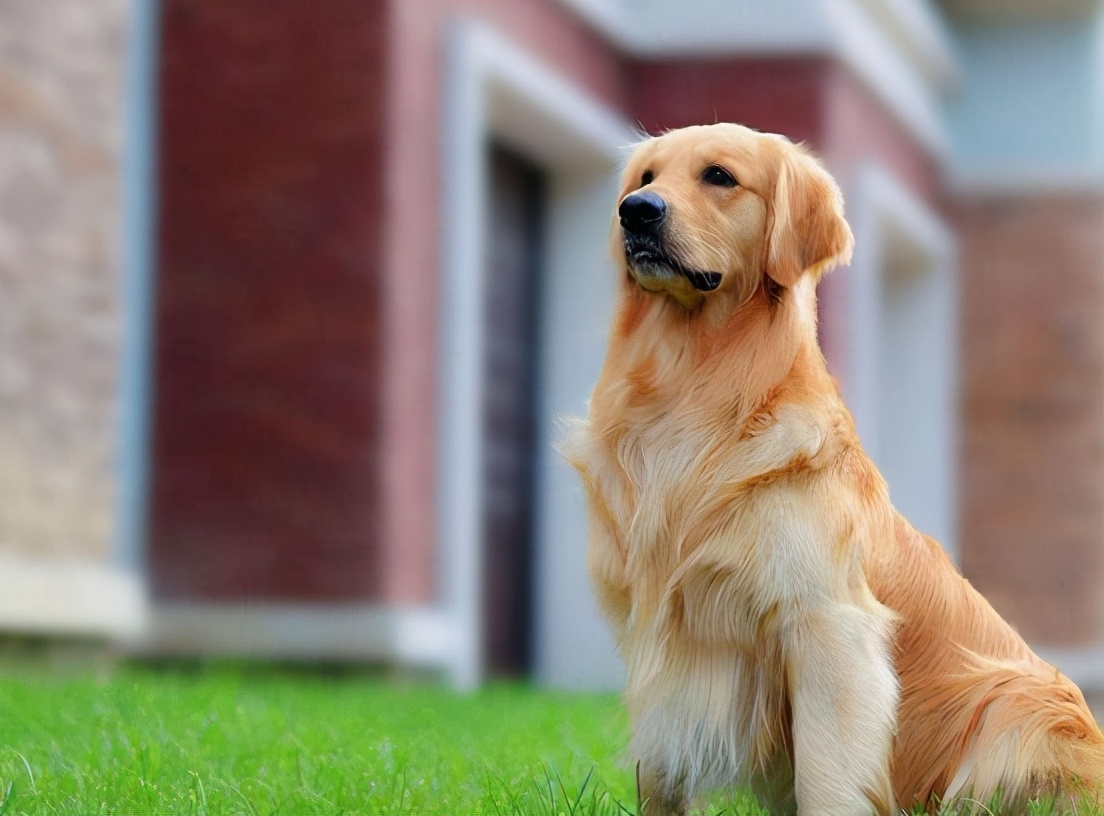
[[512, 280]]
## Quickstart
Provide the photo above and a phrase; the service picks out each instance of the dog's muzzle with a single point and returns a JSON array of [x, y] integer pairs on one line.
[[643, 218]]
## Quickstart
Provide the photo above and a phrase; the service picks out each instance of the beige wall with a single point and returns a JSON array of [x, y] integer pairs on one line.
[[61, 122]]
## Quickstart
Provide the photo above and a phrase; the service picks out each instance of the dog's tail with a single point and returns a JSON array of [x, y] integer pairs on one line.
[[1032, 736]]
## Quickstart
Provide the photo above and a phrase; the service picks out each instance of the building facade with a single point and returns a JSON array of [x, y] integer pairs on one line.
[[366, 277]]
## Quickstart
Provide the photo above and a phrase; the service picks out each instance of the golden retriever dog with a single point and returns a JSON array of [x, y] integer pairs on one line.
[[782, 626]]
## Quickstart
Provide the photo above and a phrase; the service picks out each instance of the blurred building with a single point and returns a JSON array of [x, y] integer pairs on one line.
[[293, 298]]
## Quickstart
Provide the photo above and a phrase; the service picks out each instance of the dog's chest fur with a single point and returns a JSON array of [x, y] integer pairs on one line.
[[681, 532]]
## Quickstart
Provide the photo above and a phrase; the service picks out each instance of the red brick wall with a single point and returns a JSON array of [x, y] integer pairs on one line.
[[1032, 380], [771, 94], [268, 352]]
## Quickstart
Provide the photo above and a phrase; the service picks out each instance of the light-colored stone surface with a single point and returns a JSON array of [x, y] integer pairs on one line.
[[70, 597], [61, 121]]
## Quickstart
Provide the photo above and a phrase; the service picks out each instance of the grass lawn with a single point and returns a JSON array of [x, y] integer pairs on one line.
[[266, 741], [257, 741]]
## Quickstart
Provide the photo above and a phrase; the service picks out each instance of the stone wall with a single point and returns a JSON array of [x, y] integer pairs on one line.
[[61, 122]]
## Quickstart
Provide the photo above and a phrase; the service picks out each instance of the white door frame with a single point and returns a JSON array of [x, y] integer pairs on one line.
[[885, 215], [495, 89]]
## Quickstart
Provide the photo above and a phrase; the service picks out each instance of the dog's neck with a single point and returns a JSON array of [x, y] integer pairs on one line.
[[724, 356]]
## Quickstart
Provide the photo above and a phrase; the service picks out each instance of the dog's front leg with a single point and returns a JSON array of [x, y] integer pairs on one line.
[[843, 692]]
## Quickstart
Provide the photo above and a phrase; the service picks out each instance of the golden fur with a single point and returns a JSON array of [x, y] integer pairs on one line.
[[781, 624]]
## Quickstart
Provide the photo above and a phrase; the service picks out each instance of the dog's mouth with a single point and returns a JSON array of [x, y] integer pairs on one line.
[[648, 263]]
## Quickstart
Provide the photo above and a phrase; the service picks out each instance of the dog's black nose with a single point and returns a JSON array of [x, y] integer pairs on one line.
[[642, 212]]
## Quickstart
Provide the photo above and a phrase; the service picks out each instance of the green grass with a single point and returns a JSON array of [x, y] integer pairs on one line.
[[268, 741], [228, 740]]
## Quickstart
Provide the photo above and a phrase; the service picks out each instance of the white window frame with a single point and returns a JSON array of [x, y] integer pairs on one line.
[[883, 210]]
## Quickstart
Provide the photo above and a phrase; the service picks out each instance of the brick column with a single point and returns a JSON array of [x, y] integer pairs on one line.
[[1032, 384], [268, 355]]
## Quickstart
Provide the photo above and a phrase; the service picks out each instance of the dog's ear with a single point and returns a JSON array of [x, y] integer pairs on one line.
[[806, 230]]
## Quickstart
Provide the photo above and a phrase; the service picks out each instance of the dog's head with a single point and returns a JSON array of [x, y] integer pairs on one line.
[[722, 208]]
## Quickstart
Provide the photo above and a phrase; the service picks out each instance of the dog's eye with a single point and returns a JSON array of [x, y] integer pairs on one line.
[[718, 176], [647, 178]]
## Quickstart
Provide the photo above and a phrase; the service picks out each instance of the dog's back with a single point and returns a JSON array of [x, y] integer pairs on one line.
[[980, 713]]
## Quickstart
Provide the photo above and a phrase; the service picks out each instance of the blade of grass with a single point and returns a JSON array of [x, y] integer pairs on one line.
[[9, 795], [30, 773], [578, 799]]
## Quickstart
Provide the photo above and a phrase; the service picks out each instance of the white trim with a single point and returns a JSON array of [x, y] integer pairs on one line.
[[412, 636], [459, 355], [921, 31], [886, 215], [607, 17], [899, 48], [878, 62], [491, 87], [1004, 12], [69, 597], [138, 241], [659, 28], [1027, 179]]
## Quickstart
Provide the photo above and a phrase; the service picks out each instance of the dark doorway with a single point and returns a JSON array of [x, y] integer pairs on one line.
[[514, 243]]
